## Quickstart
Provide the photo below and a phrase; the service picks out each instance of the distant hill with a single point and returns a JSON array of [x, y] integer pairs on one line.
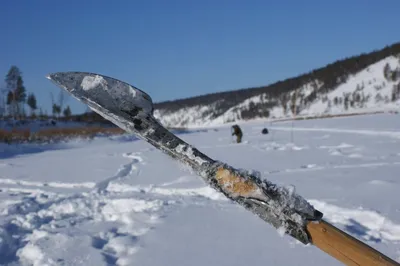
[[362, 83]]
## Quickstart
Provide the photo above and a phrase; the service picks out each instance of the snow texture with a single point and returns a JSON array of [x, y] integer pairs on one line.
[[188, 151], [90, 82], [119, 201]]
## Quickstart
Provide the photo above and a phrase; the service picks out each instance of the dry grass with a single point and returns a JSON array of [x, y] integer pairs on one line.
[[54, 134]]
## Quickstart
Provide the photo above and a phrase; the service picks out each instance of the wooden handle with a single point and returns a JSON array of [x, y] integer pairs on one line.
[[325, 236], [344, 247]]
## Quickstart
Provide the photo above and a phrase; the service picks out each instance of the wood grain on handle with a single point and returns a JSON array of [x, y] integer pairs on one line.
[[344, 247]]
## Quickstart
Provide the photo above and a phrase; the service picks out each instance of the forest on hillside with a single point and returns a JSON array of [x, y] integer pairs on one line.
[[322, 81]]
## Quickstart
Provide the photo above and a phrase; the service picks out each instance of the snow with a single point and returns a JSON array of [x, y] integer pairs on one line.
[[132, 92], [90, 82], [119, 201], [370, 81], [189, 153]]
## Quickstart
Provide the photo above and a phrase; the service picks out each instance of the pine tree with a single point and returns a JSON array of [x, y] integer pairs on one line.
[[10, 97], [31, 101], [20, 90], [387, 71], [56, 110], [67, 112]]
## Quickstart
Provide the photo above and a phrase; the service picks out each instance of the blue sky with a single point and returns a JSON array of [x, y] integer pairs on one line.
[[181, 48]]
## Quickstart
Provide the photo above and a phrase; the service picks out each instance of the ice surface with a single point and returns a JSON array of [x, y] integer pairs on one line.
[[112, 201]]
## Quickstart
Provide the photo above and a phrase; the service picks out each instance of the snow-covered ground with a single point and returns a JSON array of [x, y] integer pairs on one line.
[[121, 202]]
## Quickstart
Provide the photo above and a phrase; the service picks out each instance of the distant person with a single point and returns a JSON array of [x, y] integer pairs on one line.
[[238, 133]]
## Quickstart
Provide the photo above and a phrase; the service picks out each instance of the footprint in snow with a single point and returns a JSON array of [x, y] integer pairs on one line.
[[130, 218], [135, 156], [124, 171]]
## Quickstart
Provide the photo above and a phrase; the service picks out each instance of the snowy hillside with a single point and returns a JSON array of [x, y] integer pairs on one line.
[[374, 88], [118, 201]]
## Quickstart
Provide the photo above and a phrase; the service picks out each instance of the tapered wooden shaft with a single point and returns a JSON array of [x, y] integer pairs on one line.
[[344, 247]]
